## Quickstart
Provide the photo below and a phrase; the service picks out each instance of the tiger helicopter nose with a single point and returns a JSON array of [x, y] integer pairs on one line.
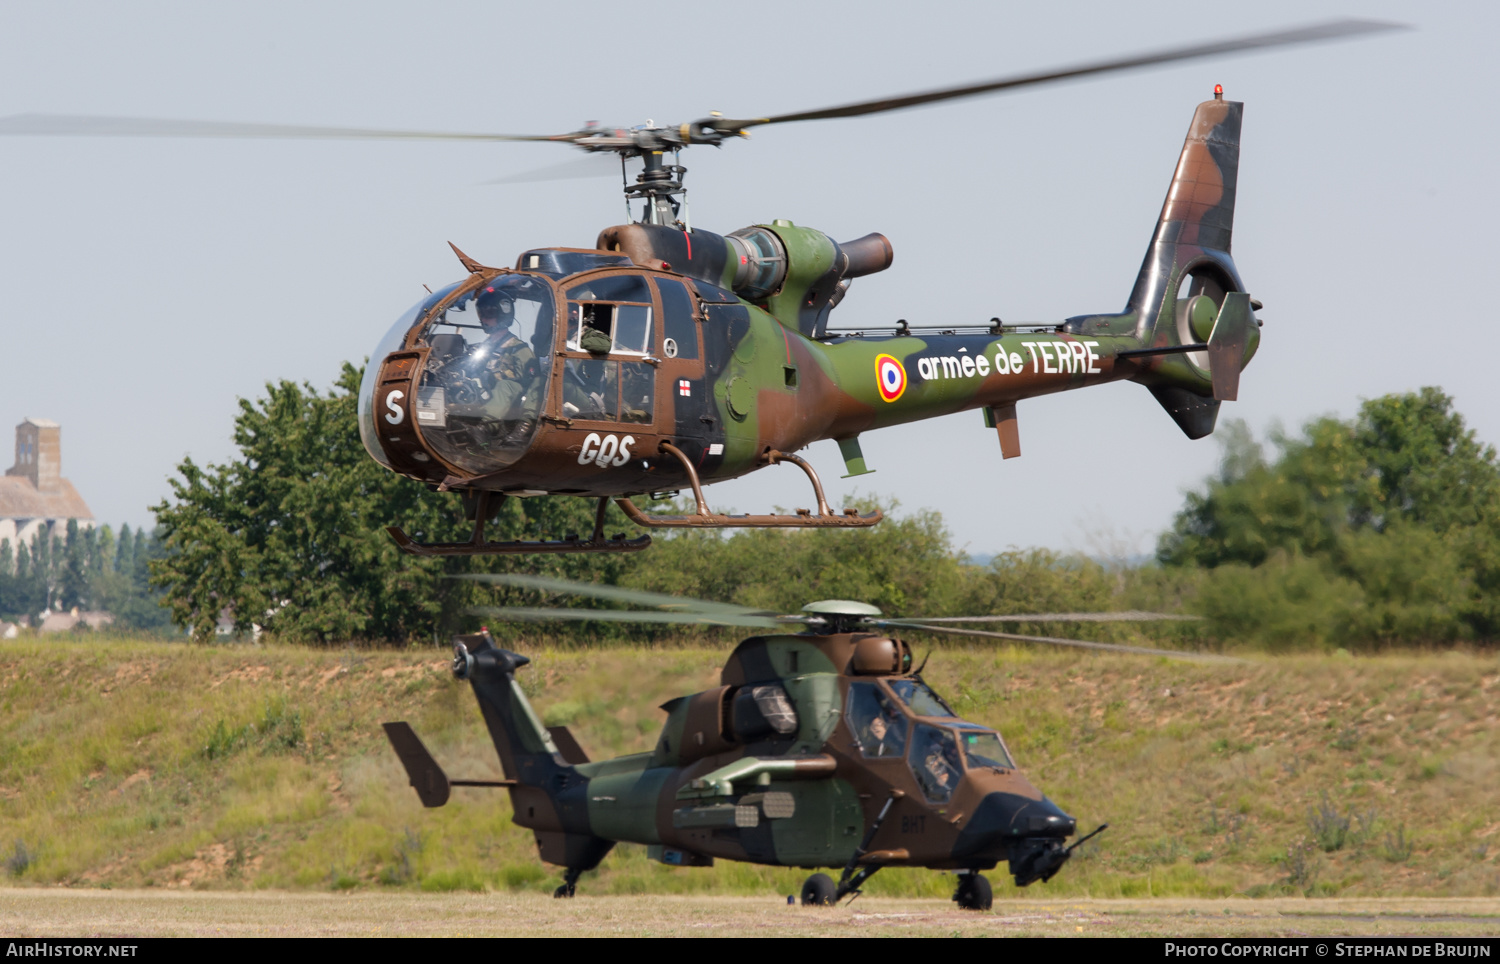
[[1027, 832], [1001, 814]]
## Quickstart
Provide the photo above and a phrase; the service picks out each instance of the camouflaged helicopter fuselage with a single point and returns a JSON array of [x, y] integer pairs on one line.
[[806, 797], [767, 375]]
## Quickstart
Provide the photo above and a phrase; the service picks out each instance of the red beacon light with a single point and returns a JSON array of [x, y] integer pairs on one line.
[[1218, 91]]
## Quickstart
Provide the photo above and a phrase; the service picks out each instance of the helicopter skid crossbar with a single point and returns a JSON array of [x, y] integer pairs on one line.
[[704, 518], [477, 546]]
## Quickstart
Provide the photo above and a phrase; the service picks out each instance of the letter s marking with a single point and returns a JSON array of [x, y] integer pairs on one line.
[[625, 445], [397, 413]]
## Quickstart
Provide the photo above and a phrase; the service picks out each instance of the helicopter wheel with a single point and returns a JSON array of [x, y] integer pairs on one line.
[[818, 891], [569, 885], [973, 893]]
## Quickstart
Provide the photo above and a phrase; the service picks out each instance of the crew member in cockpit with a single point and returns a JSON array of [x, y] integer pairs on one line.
[[514, 366]]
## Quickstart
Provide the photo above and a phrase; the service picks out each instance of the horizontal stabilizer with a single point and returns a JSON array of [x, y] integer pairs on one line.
[[429, 780]]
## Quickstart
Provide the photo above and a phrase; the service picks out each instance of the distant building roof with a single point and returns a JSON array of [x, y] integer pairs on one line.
[[33, 488], [63, 622], [19, 499]]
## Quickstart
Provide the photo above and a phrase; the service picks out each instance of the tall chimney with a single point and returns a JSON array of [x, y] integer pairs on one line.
[[39, 453]]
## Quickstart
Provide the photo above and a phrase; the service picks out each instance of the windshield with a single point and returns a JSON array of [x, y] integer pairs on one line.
[[486, 376], [917, 695], [984, 749]]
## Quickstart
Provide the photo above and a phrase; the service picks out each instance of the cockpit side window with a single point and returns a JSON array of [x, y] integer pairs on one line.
[[620, 287], [920, 697], [591, 389], [604, 305], [678, 323], [934, 760], [879, 727]]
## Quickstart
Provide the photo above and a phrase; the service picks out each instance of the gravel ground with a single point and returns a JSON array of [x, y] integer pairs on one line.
[[145, 913]]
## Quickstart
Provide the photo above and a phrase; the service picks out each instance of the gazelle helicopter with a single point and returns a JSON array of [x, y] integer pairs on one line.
[[668, 357], [823, 748]]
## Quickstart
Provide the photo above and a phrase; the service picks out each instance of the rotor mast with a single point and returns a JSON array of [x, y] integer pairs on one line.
[[659, 184]]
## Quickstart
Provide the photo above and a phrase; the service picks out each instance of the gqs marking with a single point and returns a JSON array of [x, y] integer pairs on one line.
[[397, 413], [605, 450]]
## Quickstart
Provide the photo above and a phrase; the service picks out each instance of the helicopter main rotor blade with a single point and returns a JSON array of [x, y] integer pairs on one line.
[[1328, 30], [593, 165], [527, 615], [640, 597], [63, 125], [1079, 643], [1124, 616]]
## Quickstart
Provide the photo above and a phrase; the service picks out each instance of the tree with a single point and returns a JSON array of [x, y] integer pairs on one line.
[[291, 535], [1383, 528]]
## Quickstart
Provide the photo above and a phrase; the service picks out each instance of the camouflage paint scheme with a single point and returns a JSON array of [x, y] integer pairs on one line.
[[769, 376], [721, 784]]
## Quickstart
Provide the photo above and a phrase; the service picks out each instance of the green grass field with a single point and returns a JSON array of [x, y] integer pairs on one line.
[[130, 764]]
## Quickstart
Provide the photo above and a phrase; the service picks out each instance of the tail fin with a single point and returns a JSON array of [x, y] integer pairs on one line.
[[1189, 256], [523, 743], [1197, 218], [549, 795]]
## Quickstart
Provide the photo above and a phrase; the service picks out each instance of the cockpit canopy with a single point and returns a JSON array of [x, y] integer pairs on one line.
[[905, 719], [484, 384], [485, 381]]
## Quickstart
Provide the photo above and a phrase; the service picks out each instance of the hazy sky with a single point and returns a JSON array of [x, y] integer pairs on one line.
[[147, 285]]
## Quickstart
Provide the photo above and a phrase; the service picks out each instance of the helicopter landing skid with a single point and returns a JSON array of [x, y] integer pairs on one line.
[[476, 546], [706, 519]]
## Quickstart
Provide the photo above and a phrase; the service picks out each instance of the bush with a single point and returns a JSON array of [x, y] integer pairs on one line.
[[1381, 530]]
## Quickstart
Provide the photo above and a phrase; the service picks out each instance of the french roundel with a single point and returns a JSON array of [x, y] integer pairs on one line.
[[890, 377]]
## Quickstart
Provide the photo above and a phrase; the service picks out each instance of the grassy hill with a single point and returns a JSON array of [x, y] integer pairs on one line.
[[128, 763]]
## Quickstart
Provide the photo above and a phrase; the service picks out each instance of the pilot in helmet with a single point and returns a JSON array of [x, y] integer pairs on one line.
[[512, 363], [497, 309]]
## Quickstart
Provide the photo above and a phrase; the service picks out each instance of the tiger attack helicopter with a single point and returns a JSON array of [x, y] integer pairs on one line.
[[819, 748], [667, 356]]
